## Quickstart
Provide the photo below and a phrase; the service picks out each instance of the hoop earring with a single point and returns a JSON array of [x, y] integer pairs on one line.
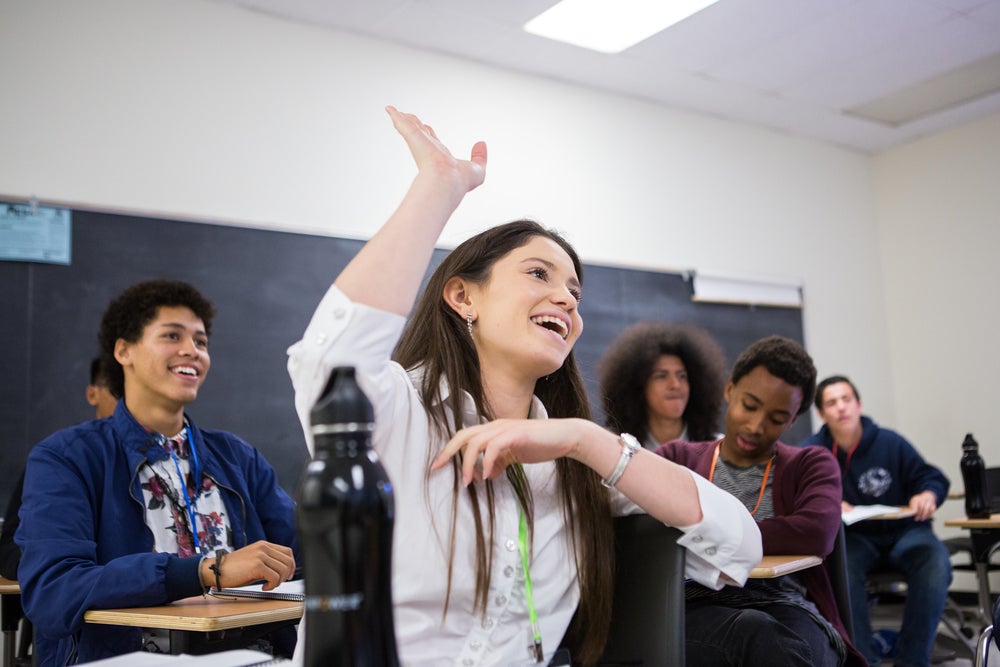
[[468, 322]]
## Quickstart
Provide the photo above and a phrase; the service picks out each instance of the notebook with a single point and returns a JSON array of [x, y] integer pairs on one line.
[[290, 590]]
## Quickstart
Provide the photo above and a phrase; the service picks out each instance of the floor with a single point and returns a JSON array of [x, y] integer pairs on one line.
[[889, 615]]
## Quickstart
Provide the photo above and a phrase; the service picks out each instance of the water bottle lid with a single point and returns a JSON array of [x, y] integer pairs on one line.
[[342, 402], [969, 444]]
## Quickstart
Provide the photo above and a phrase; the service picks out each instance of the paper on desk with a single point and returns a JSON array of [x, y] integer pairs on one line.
[[288, 590], [862, 512], [233, 658]]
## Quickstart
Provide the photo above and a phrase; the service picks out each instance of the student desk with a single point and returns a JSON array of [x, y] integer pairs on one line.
[[200, 625], [985, 534], [10, 616], [770, 567]]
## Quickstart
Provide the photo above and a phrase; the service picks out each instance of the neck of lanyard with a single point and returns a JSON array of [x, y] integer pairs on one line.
[[847, 462], [763, 482], [189, 502], [536, 633]]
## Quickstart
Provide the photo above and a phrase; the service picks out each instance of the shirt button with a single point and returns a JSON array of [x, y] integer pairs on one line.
[[320, 339], [501, 600], [476, 645], [511, 545], [488, 623], [339, 313], [508, 571], [697, 538], [710, 551]]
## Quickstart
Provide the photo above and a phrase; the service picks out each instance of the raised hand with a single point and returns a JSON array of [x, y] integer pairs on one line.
[[430, 154]]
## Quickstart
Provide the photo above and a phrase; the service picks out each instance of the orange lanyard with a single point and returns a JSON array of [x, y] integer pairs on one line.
[[763, 483]]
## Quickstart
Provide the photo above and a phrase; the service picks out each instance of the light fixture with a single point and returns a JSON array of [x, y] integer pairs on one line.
[[752, 291], [611, 26]]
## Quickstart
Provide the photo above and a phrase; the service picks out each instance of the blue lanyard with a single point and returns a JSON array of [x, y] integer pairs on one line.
[[190, 504]]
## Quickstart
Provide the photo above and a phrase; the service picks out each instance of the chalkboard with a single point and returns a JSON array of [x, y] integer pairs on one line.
[[265, 285]]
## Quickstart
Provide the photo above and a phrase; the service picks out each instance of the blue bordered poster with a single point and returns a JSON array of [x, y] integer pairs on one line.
[[32, 233]]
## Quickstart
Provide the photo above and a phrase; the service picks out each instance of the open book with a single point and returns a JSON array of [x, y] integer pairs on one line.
[[233, 658], [862, 512], [290, 590]]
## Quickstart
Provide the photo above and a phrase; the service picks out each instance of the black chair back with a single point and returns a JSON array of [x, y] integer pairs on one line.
[[836, 567], [647, 622]]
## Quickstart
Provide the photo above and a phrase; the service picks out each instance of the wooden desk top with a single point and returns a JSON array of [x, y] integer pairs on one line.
[[9, 587], [200, 614], [966, 522], [776, 566]]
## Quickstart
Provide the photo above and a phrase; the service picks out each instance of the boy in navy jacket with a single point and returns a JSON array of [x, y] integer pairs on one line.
[[879, 467], [136, 509]]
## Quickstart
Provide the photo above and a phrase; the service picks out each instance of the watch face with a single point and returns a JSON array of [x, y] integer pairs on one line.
[[630, 442]]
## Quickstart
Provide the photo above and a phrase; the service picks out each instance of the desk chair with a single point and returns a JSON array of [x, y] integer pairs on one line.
[[647, 622], [962, 546], [836, 568], [888, 582]]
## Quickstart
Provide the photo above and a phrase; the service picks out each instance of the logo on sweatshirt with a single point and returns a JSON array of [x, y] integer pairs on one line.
[[875, 482]]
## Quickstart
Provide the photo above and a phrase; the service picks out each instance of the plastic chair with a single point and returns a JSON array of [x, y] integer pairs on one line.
[[647, 626]]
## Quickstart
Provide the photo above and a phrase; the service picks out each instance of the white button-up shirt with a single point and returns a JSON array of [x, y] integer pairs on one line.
[[346, 333]]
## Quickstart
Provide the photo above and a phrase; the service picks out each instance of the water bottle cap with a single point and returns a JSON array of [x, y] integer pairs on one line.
[[342, 401]]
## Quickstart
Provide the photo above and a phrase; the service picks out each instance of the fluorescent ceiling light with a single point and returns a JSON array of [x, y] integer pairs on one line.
[[964, 84], [611, 26]]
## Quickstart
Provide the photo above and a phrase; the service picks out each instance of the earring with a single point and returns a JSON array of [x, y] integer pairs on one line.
[[468, 322]]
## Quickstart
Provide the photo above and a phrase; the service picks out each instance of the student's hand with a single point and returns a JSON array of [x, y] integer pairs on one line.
[[260, 561], [505, 441], [845, 507], [432, 156], [924, 504]]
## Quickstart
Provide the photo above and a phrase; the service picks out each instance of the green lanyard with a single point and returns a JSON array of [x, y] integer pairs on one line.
[[536, 633]]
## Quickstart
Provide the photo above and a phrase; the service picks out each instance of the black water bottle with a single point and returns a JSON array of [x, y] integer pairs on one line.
[[977, 505], [345, 516]]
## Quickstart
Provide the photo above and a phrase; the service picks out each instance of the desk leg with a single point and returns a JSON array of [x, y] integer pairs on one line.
[[983, 542], [11, 614]]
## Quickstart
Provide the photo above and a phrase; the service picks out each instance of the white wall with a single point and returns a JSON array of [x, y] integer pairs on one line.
[[938, 216], [192, 109]]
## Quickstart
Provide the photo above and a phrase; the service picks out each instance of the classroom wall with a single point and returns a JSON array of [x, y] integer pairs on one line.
[[192, 109], [938, 221]]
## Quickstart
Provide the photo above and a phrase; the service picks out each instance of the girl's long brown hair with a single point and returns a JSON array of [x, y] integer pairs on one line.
[[436, 340]]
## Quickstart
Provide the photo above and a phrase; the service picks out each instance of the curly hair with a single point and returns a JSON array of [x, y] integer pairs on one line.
[[128, 314], [628, 364], [784, 359]]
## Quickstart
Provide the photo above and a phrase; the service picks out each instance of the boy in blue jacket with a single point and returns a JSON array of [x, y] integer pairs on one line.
[[138, 508], [879, 467]]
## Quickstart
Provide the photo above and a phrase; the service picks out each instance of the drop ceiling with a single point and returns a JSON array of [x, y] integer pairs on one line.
[[865, 74]]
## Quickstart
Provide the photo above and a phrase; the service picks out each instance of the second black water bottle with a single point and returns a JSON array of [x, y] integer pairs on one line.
[[345, 515], [977, 503]]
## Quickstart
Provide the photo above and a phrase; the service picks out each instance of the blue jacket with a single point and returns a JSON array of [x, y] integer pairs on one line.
[[883, 469], [84, 540]]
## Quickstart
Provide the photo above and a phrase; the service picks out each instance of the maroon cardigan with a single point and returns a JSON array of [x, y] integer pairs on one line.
[[806, 493]]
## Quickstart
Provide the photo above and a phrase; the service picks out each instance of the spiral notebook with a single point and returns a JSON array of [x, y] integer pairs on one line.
[[290, 590]]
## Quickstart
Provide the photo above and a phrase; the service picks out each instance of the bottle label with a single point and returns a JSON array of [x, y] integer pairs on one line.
[[348, 602]]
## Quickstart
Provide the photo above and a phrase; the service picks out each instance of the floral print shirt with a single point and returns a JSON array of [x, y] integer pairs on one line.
[[167, 504]]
